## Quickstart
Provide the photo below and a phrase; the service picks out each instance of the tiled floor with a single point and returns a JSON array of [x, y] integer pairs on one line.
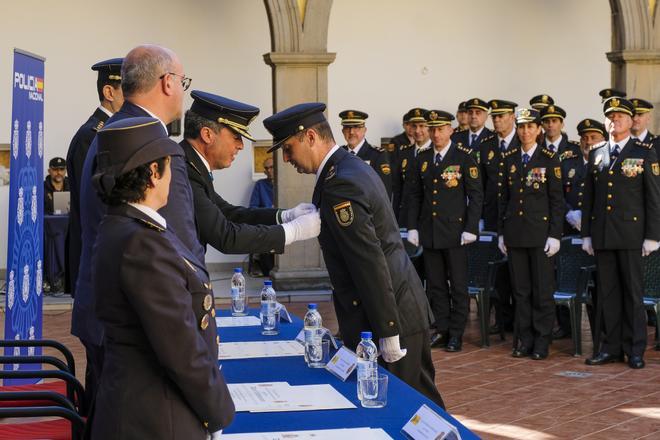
[[500, 397]]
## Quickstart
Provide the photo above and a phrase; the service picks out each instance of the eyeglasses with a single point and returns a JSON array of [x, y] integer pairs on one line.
[[185, 81]]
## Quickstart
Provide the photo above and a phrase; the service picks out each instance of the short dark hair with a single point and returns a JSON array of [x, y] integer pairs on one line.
[[100, 83], [323, 129], [193, 124], [131, 186]]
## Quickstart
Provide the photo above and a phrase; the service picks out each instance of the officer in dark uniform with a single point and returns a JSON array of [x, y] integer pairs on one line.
[[462, 117], [492, 147], [160, 373], [477, 113], [641, 121], [446, 196], [620, 212], [108, 86], [404, 138], [539, 102], [375, 285], [214, 129], [606, 94], [530, 226], [555, 140], [354, 131], [56, 181]]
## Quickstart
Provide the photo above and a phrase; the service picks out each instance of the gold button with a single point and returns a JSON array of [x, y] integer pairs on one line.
[[435, 203], [355, 303], [609, 184], [634, 219], [545, 218], [208, 302], [391, 323], [609, 208], [520, 213], [579, 203], [611, 172], [435, 191], [520, 190], [460, 219], [213, 313], [434, 214], [217, 339], [579, 194], [207, 285], [501, 164], [593, 217], [521, 201], [499, 183], [205, 322], [435, 180], [206, 424], [500, 174], [609, 196]]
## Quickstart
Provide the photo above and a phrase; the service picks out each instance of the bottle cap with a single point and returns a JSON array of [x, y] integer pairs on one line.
[[238, 270], [311, 306], [365, 335], [268, 283]]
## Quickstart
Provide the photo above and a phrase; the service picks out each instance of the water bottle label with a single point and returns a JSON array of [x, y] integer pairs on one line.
[[342, 363]]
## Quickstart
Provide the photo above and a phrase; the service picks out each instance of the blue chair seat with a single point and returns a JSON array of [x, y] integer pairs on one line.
[[651, 301], [564, 296]]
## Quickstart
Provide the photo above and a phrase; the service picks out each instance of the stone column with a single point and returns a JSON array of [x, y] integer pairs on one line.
[[635, 55], [299, 60]]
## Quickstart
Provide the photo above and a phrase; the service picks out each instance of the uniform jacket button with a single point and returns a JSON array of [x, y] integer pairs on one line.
[[355, 303], [391, 323]]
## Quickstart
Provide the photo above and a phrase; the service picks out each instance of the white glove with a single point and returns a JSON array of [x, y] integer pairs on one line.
[[293, 213], [413, 237], [215, 435], [587, 246], [500, 244], [390, 349], [551, 246], [303, 228], [467, 238], [649, 246], [574, 218]]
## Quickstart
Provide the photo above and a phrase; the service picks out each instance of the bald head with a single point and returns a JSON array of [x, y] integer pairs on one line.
[[143, 66]]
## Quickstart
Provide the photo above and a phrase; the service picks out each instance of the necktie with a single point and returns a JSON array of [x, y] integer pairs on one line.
[[438, 159], [502, 146], [353, 152], [473, 138], [615, 153], [551, 147], [211, 176], [525, 158]]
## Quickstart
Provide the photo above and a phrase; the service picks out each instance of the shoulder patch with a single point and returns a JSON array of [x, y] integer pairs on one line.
[[344, 213], [547, 152], [385, 168], [98, 126], [151, 225]]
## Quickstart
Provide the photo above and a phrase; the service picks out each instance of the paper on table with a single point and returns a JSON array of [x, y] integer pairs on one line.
[[247, 396], [280, 396], [426, 424], [321, 434], [259, 349], [237, 321]]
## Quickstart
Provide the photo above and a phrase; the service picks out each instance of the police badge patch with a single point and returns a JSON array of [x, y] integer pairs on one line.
[[558, 172], [344, 213], [655, 168], [385, 168], [474, 172], [425, 165], [404, 162]]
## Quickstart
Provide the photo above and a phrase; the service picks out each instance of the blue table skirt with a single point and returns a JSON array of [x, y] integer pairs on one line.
[[402, 400]]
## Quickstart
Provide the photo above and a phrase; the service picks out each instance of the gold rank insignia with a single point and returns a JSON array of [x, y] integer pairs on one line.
[[344, 213], [655, 168], [404, 162], [99, 126], [204, 323], [474, 172], [208, 302], [571, 173], [558, 172], [513, 169], [425, 165], [491, 155], [385, 168], [587, 123], [331, 173]]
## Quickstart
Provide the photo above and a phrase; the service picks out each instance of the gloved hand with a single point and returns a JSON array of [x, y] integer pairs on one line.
[[413, 237], [574, 218], [587, 246], [303, 228], [214, 435], [500, 244], [293, 213], [467, 238], [551, 246], [390, 349], [649, 246]]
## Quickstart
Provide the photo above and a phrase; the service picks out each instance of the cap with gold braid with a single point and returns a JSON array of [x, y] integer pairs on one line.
[[109, 70], [416, 114], [527, 115], [500, 106], [235, 115], [291, 121], [611, 93], [641, 106], [438, 118], [353, 118], [539, 102], [587, 125], [620, 105], [476, 103], [462, 106], [553, 111]]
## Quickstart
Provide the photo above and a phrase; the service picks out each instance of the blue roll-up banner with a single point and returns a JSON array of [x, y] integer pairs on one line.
[[23, 319]]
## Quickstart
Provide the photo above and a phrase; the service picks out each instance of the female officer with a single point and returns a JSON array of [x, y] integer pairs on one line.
[[160, 374], [531, 206]]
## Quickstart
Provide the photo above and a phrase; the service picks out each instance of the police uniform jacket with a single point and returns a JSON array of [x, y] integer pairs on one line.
[[531, 199], [379, 160], [445, 199], [573, 172], [375, 285], [405, 159], [160, 373], [566, 149], [489, 159], [652, 139], [228, 228], [621, 202], [178, 213], [49, 189], [463, 137], [75, 158]]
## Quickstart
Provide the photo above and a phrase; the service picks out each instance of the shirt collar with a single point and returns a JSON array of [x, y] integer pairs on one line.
[[478, 133], [105, 110], [204, 161], [507, 140], [643, 135], [325, 160], [622, 143], [531, 151], [153, 116], [442, 152], [426, 144], [152, 214], [356, 150], [555, 143]]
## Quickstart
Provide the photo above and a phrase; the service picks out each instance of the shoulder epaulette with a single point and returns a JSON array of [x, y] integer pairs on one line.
[[428, 147], [648, 146], [98, 126], [459, 129], [509, 152], [405, 147], [151, 225], [574, 143], [568, 154], [489, 137], [463, 149], [377, 148], [547, 152], [598, 145]]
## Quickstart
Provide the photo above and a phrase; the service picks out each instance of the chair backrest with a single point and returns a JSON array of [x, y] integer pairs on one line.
[[480, 253], [570, 259], [651, 268]]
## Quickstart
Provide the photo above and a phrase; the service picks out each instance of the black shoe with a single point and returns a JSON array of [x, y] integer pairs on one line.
[[439, 340], [602, 359], [636, 362], [521, 352], [455, 344], [537, 356], [560, 333]]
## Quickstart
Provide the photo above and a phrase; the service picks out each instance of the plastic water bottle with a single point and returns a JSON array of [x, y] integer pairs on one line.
[[269, 315], [313, 337], [238, 300], [367, 368]]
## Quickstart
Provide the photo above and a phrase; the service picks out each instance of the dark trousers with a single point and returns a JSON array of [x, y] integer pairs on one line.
[[504, 303], [416, 367], [94, 354], [448, 303], [533, 277], [620, 291]]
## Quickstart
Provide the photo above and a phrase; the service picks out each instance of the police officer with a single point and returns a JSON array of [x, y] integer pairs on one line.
[[539, 102], [530, 226], [402, 139], [375, 285], [446, 196], [154, 298], [620, 211], [641, 121], [462, 117], [214, 129], [56, 181], [354, 131], [111, 98], [606, 94], [477, 113], [555, 140]]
